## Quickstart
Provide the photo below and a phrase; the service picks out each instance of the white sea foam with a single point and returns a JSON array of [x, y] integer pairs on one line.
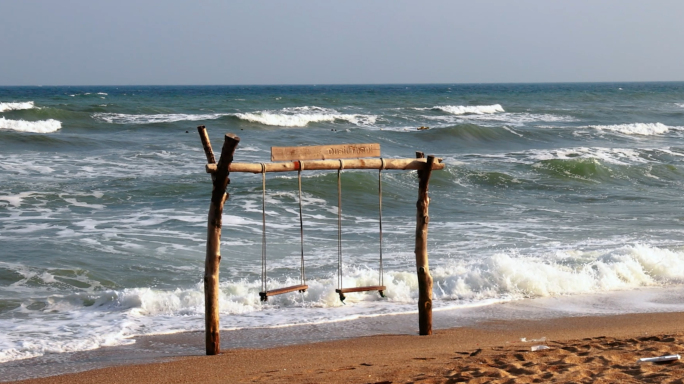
[[287, 117], [16, 106], [113, 317], [645, 129], [122, 118], [520, 119], [302, 116], [15, 200], [569, 272], [470, 109], [40, 126], [620, 156], [75, 203], [496, 119]]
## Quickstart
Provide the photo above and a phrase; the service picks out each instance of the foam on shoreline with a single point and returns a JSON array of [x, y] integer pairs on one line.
[[522, 320], [114, 316]]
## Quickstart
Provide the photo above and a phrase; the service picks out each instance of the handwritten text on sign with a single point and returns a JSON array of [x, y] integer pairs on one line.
[[323, 152]]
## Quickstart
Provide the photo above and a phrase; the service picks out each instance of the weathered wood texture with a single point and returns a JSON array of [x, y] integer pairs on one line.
[[213, 256], [219, 174], [401, 164], [206, 144], [423, 270], [323, 152], [280, 291], [362, 289]]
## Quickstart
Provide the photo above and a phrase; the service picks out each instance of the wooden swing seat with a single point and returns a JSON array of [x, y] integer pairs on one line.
[[379, 288], [280, 291]]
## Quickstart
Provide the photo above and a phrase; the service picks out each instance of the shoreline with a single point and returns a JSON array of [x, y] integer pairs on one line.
[[611, 343], [490, 328]]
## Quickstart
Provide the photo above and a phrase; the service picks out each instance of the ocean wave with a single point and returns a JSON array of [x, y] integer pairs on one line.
[[302, 116], [41, 126], [114, 316], [645, 129], [4, 107], [629, 267], [589, 164], [122, 118], [587, 169], [472, 132], [517, 119], [618, 156], [560, 273], [470, 109]]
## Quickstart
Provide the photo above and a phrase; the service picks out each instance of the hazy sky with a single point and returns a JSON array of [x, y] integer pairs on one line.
[[70, 42]]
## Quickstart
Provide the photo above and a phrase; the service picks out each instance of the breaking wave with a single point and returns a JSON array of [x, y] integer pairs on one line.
[[4, 107], [470, 109], [302, 116], [113, 317], [287, 117], [41, 126], [645, 129], [122, 118]]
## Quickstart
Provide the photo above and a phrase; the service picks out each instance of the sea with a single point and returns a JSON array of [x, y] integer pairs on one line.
[[563, 195]]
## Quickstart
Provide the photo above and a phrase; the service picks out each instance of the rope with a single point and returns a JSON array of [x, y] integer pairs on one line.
[[381, 278], [339, 225], [263, 227], [301, 222]]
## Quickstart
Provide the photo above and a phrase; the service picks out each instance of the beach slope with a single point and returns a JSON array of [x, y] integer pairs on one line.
[[580, 349]]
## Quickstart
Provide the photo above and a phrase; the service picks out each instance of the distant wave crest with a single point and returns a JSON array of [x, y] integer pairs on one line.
[[4, 107], [645, 129], [302, 116], [470, 109], [41, 126], [287, 117], [122, 118]]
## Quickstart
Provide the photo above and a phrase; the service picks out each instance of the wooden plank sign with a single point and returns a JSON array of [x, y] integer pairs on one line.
[[324, 152]]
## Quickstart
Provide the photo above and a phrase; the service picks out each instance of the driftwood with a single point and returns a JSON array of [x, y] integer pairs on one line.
[[213, 256], [401, 164], [423, 271]]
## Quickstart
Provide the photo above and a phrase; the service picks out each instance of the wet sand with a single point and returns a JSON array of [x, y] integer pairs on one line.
[[580, 349]]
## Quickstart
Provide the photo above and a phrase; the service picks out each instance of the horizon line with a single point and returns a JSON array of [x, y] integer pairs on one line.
[[344, 84]]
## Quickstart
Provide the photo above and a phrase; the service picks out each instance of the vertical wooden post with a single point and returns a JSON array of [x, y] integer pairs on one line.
[[423, 271], [206, 144], [213, 256]]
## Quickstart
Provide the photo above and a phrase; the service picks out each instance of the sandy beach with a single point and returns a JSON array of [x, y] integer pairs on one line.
[[341, 192], [599, 349]]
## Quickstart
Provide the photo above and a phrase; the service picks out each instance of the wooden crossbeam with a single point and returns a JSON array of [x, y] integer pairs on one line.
[[311, 165]]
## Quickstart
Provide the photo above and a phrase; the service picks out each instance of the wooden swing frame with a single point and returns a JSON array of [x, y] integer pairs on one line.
[[221, 170]]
